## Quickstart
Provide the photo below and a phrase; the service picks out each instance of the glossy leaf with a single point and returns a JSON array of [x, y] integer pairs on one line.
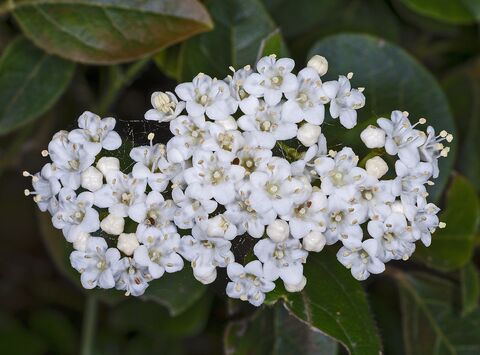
[[431, 321], [273, 44], [393, 81], [31, 81], [470, 282], [452, 247], [334, 303], [240, 27], [109, 31], [282, 334], [449, 11]]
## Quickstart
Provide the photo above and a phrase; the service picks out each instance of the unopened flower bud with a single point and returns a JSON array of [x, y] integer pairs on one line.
[[207, 278], [80, 243], [308, 134], [108, 164], [296, 288], [127, 243], [376, 167], [112, 224], [92, 179], [319, 63], [278, 230], [397, 207], [314, 241], [373, 137]]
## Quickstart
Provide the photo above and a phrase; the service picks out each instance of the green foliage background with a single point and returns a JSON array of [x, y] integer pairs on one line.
[[61, 57]]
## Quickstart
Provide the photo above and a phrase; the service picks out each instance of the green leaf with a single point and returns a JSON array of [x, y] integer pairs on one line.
[[463, 91], [109, 31], [282, 333], [431, 322], [393, 80], [240, 27], [334, 303], [474, 7], [449, 11], [31, 81], [167, 61], [176, 291], [273, 44], [13, 335], [452, 247], [470, 282]]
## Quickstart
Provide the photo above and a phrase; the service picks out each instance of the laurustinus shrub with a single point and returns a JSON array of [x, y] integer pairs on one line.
[[247, 158]]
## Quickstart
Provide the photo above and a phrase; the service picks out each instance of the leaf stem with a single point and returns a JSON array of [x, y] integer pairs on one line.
[[89, 324], [118, 80]]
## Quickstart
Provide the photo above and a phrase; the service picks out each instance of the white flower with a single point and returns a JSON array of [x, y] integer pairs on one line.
[[344, 100], [252, 158], [402, 138], [190, 210], [95, 133], [213, 176], [248, 283], [45, 187], [319, 63], [120, 193], [80, 243], [165, 107], [205, 95], [376, 195], [220, 227], [97, 264], [149, 161], [306, 102], [373, 137], [282, 260], [154, 211], [308, 215], [265, 126], [69, 159], [274, 78], [278, 231], [395, 238], [108, 164], [362, 261], [75, 214], [376, 167], [308, 134], [425, 221], [190, 134], [92, 179], [205, 254], [158, 252], [433, 148], [220, 138], [132, 278], [113, 224], [247, 103], [314, 241], [127, 243]]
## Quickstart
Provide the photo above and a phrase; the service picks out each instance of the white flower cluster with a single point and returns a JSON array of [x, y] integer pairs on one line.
[[228, 174]]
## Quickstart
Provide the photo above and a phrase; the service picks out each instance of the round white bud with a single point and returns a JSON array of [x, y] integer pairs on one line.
[[308, 134], [206, 279], [373, 137], [296, 288], [92, 179], [108, 164], [112, 224], [278, 230], [80, 243], [376, 167], [319, 63], [127, 243], [314, 241], [397, 207], [228, 123]]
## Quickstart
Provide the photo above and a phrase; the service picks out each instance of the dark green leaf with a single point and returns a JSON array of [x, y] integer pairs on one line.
[[282, 334], [470, 281], [176, 291], [334, 303], [15, 339], [240, 27], [273, 44], [109, 31], [431, 321], [474, 7], [463, 91], [449, 11], [452, 247], [31, 82], [393, 81], [167, 61]]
